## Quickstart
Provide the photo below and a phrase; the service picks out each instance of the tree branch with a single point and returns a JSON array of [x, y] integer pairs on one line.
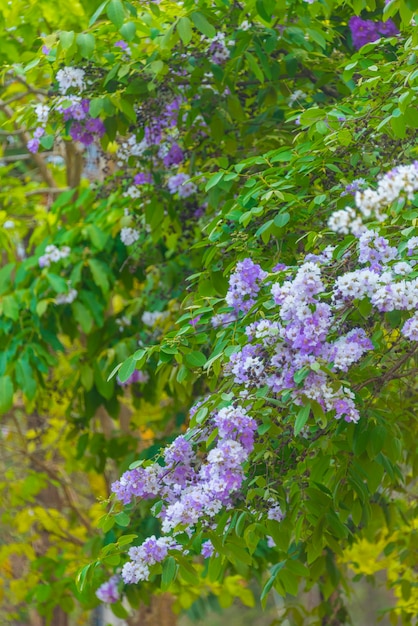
[[43, 169]]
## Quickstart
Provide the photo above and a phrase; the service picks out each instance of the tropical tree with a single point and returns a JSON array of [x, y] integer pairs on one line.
[[208, 287]]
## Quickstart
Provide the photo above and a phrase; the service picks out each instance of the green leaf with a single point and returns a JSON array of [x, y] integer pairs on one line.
[[113, 372], [106, 523], [83, 576], [128, 31], [301, 419], [67, 39], [214, 180], [83, 316], [255, 68], [269, 584], [201, 23], [184, 28], [96, 105], [98, 13], [113, 560], [195, 359], [125, 539], [6, 277], [122, 519], [99, 273], [119, 610], [116, 13], [58, 284], [6, 394], [10, 307], [86, 44], [127, 369], [264, 10], [47, 141], [240, 525], [281, 219], [139, 354], [169, 572], [25, 378]]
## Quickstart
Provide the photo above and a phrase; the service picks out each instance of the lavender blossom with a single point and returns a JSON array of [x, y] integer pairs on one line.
[[367, 31], [182, 185], [108, 592]]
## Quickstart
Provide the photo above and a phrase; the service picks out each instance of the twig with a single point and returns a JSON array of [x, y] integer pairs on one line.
[[389, 374], [44, 171], [6, 133], [18, 96], [39, 92], [48, 190]]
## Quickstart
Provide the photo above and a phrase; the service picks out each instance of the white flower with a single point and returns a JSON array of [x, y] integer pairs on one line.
[[69, 77], [42, 113], [296, 95], [129, 236], [66, 298], [151, 318], [245, 25]]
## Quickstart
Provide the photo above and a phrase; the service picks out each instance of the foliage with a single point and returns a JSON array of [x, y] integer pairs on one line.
[[148, 150]]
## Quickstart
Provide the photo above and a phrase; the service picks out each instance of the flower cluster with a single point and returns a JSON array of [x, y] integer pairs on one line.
[[386, 286], [182, 185], [218, 50], [153, 318], [400, 182], [192, 489], [296, 96], [160, 144], [34, 143], [367, 31], [244, 285], [129, 235], [84, 128], [299, 339], [122, 45], [74, 110], [152, 551], [207, 549], [53, 255], [70, 77], [108, 592], [67, 298]]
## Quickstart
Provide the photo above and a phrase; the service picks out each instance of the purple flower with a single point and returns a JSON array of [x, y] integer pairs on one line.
[[181, 184], [108, 592], [410, 328], [207, 549], [121, 44], [39, 132], [275, 513], [195, 320], [367, 31], [244, 285], [279, 267], [235, 423], [174, 156], [142, 178], [138, 483], [95, 125], [45, 49], [33, 145], [179, 451]]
